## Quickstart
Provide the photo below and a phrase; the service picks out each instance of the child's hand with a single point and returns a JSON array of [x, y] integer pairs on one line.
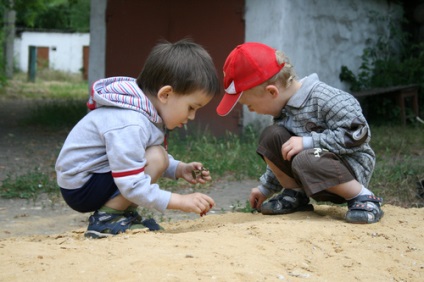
[[193, 172], [197, 202], [292, 147], [256, 198]]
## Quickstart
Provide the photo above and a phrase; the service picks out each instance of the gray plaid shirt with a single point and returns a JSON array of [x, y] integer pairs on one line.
[[327, 118]]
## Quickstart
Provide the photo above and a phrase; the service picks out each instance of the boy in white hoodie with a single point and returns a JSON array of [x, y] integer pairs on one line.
[[112, 159]]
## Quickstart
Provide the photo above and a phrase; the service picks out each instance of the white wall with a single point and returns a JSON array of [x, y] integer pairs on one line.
[[319, 36], [65, 49]]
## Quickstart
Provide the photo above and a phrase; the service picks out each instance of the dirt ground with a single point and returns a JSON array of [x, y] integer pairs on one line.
[[43, 240]]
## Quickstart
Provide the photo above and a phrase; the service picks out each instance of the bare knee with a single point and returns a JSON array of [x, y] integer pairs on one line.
[[157, 162]]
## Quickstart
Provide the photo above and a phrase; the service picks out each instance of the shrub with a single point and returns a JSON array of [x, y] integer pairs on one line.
[[391, 59]]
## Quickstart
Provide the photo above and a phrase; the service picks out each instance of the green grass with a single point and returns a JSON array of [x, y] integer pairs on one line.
[[233, 157], [399, 165], [28, 186], [48, 85], [399, 150], [59, 99], [57, 113], [231, 154]]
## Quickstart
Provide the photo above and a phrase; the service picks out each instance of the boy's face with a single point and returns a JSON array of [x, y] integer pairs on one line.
[[179, 109], [264, 100]]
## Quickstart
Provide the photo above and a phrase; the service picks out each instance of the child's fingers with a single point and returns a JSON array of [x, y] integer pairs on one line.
[[205, 211], [202, 173], [207, 204]]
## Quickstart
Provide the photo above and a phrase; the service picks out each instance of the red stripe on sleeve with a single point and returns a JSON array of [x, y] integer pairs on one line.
[[127, 173]]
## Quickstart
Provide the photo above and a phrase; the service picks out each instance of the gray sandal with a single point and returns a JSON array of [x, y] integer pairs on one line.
[[364, 209], [288, 201]]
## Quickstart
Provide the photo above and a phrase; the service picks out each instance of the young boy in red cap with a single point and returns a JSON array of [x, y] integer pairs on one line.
[[318, 146]]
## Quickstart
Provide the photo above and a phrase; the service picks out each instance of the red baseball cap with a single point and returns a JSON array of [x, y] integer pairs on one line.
[[248, 65]]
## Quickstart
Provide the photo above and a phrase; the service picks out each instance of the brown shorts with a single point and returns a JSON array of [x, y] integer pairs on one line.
[[315, 170]]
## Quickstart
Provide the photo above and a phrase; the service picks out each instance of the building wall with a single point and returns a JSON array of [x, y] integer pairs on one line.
[[319, 36], [65, 49]]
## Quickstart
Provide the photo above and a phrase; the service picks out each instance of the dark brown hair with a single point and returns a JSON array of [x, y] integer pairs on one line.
[[184, 65]]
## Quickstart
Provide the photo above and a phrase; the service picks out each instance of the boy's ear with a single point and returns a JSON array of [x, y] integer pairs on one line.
[[164, 93], [273, 90]]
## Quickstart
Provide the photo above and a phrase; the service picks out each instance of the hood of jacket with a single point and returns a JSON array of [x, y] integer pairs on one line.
[[122, 92]]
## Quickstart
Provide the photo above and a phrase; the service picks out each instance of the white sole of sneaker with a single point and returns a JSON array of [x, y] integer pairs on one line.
[[96, 235]]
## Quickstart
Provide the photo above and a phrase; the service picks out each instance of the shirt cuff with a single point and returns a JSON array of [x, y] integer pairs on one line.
[[308, 142], [265, 191], [172, 169]]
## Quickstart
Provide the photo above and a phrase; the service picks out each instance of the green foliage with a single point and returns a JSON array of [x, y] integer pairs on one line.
[[26, 10], [79, 18], [391, 59], [53, 16], [72, 15], [387, 59]]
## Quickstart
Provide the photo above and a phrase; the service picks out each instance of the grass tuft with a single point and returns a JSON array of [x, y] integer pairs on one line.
[[28, 186]]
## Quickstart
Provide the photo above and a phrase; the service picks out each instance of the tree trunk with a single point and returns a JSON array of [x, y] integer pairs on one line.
[[9, 33]]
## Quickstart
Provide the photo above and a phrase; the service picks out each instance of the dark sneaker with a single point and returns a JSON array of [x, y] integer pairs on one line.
[[364, 209], [288, 201], [103, 224]]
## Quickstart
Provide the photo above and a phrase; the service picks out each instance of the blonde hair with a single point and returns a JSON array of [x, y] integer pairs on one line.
[[286, 74]]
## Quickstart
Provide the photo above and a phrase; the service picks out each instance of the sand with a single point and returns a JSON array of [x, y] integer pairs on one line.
[[233, 246]]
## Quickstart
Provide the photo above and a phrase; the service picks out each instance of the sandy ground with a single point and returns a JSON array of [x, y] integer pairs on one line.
[[43, 240], [305, 246]]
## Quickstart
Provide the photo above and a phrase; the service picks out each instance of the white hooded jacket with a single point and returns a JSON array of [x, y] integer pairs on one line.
[[113, 138]]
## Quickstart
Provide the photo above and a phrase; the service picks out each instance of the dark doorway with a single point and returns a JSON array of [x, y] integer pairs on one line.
[[135, 26]]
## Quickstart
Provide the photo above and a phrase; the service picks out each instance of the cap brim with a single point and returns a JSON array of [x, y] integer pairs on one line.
[[227, 103]]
